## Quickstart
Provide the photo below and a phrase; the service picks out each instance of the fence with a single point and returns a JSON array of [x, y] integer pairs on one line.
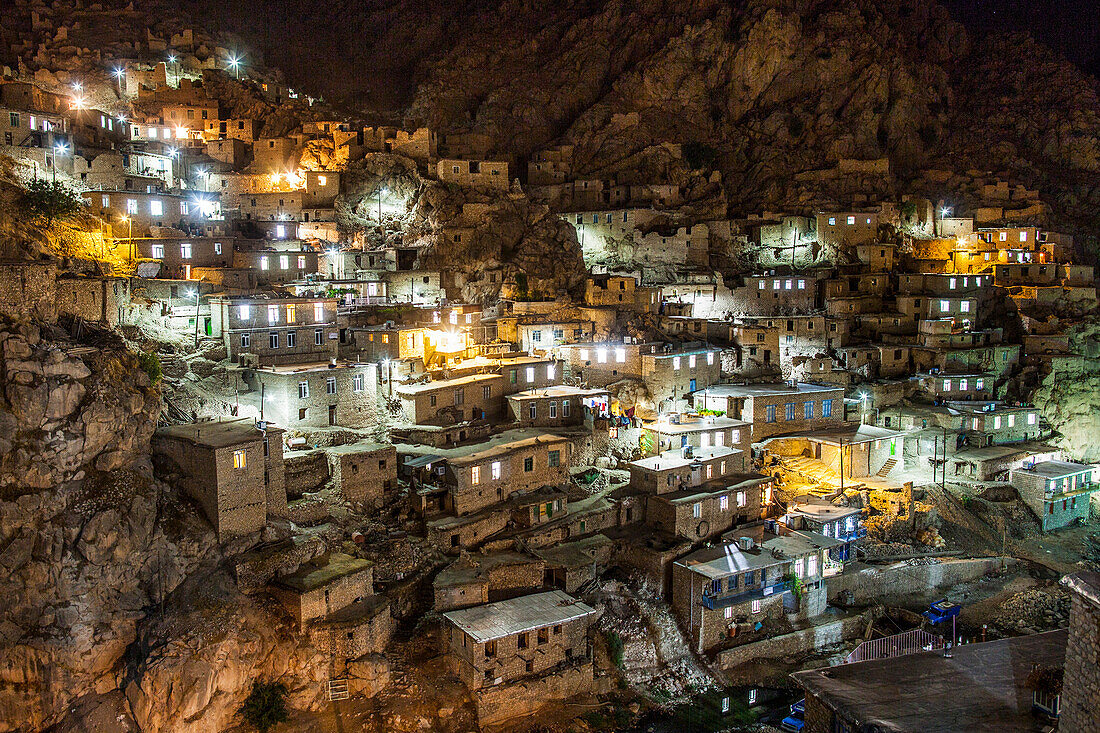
[[898, 645]]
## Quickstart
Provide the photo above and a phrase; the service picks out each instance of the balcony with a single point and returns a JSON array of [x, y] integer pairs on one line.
[[855, 534], [715, 603]]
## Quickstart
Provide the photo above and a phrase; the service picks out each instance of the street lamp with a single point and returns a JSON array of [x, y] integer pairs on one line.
[[235, 64], [118, 74], [129, 236], [58, 149], [381, 191]]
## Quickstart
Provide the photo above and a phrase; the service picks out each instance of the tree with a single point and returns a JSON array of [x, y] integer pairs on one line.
[[50, 200], [265, 705]]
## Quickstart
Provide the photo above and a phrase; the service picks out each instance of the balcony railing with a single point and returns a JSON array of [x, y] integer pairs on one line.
[[855, 534], [714, 603]]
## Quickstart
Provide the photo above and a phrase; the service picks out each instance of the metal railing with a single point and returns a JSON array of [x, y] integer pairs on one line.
[[716, 602], [898, 645]]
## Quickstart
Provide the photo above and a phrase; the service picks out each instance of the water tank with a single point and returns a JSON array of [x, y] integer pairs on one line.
[[745, 543]]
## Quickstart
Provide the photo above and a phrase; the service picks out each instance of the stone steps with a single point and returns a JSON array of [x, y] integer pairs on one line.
[[338, 689]]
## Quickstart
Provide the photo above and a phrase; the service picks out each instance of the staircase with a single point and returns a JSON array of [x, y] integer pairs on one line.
[[887, 467], [338, 689]]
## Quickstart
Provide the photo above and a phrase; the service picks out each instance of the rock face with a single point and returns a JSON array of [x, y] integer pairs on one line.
[[1069, 395], [479, 240], [62, 414], [193, 667], [776, 90]]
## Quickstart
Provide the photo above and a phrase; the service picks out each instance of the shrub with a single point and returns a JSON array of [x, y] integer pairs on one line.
[[615, 648], [265, 705], [150, 364], [51, 200]]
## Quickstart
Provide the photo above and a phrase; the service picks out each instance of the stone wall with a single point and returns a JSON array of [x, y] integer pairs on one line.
[[305, 471], [1081, 690], [869, 584], [816, 637], [28, 290], [498, 704]]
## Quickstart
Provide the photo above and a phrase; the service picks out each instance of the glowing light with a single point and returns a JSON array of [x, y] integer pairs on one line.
[[181, 132], [77, 87], [61, 149], [80, 102], [124, 219], [171, 58], [119, 73]]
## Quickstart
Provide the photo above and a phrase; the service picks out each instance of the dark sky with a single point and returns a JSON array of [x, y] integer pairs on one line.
[[1071, 27]]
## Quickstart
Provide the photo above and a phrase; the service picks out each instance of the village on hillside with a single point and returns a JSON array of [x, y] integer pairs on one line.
[[550, 443]]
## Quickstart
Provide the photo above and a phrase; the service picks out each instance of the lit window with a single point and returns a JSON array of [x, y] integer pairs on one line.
[[158, 251], [601, 356], [550, 371], [762, 285], [697, 510], [947, 385], [620, 355], [951, 283], [284, 262], [244, 311], [239, 459], [322, 180], [723, 503], [788, 284], [217, 248], [741, 499], [962, 385], [727, 612], [851, 220], [318, 312], [945, 306], [496, 470], [1002, 236], [776, 284], [475, 475], [719, 438], [756, 606], [1031, 418], [156, 207], [303, 390], [979, 384], [832, 221], [301, 262], [710, 357], [530, 374], [185, 250], [131, 206], [263, 262], [273, 314], [801, 284], [675, 363], [1011, 421], [1023, 236], [691, 361], [964, 306], [280, 231]]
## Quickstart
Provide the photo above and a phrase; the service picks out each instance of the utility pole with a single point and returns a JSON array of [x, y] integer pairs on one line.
[[196, 319], [943, 473]]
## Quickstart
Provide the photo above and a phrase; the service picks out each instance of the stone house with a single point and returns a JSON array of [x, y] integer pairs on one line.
[[231, 467], [764, 295], [506, 641], [875, 360], [1057, 492], [474, 173], [672, 376], [363, 472], [276, 331], [244, 130], [843, 523], [277, 266], [972, 386], [28, 289], [178, 256], [723, 591], [600, 364], [449, 401], [756, 346], [134, 213], [558, 406], [847, 229], [878, 257], [323, 586], [97, 299], [678, 431], [316, 394], [699, 512], [477, 578], [620, 291], [274, 155], [991, 423], [778, 407], [994, 360], [490, 475]]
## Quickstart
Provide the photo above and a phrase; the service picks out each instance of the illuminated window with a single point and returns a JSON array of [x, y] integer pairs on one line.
[[947, 385], [158, 251], [832, 221], [710, 357], [550, 371], [273, 314], [244, 312], [945, 305], [1002, 236], [496, 470], [1023, 236], [601, 356], [530, 374], [156, 207], [318, 312], [263, 262], [723, 503], [691, 361], [475, 475], [217, 248], [284, 262], [762, 285], [697, 510], [301, 262], [131, 206], [1031, 418], [291, 312], [280, 231], [239, 459], [303, 390], [675, 363], [851, 220], [964, 306], [322, 180]]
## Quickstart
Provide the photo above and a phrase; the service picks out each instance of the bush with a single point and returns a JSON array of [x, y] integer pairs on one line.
[[265, 705], [150, 364], [615, 648], [51, 200]]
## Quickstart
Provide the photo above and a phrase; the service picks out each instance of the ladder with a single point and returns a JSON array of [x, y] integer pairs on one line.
[[338, 689], [887, 467]]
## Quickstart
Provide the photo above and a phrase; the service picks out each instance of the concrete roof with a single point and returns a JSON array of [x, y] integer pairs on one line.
[[695, 425], [769, 549], [435, 384], [823, 512], [216, 433], [1086, 584], [1056, 469], [505, 448], [556, 390], [980, 687], [673, 459], [765, 390], [845, 435], [323, 570], [504, 618]]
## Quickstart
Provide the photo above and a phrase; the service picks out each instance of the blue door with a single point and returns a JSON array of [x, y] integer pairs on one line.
[[691, 386]]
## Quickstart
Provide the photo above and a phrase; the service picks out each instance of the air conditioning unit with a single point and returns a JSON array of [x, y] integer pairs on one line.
[[745, 543]]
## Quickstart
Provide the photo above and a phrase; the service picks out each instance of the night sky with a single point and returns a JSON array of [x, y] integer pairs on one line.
[[1071, 27]]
